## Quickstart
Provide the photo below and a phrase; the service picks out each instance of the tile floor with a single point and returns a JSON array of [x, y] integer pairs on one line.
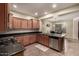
[[71, 49]]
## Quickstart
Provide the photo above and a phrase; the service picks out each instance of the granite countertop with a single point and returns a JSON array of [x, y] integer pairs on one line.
[[57, 35], [11, 33], [10, 49], [54, 35], [20, 31]]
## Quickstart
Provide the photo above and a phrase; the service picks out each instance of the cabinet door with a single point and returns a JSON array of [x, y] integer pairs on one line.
[[39, 38], [16, 23], [45, 40], [35, 24], [38, 24], [32, 38], [24, 24], [29, 24], [3, 16], [10, 23], [26, 40]]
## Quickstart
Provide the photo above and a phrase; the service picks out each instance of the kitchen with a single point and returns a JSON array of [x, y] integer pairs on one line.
[[26, 31]]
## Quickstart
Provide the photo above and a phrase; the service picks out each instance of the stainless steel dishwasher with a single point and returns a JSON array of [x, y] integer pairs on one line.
[[54, 43]]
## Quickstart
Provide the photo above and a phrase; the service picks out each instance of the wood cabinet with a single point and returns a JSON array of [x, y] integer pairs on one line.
[[19, 23], [61, 44], [29, 24], [16, 23], [23, 40], [38, 24], [24, 24], [10, 23], [29, 39], [26, 39], [43, 39], [3, 17], [32, 38], [39, 38], [35, 24]]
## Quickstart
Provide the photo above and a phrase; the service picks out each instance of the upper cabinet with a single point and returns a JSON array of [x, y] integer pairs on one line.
[[8, 21], [36, 24], [3, 16], [24, 24], [16, 23], [29, 24]]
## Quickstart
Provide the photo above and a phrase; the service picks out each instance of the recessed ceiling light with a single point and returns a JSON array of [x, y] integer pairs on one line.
[[36, 13], [45, 13], [14, 6], [54, 5]]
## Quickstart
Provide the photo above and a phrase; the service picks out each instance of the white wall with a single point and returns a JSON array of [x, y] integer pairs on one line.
[[44, 27], [68, 24], [68, 16], [75, 28], [71, 24], [69, 29]]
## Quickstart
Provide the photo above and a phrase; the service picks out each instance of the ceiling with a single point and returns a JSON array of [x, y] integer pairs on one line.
[[40, 8]]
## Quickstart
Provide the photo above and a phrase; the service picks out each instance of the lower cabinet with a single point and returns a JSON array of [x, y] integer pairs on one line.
[[26, 39], [55, 43], [43, 39], [32, 38], [39, 40]]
